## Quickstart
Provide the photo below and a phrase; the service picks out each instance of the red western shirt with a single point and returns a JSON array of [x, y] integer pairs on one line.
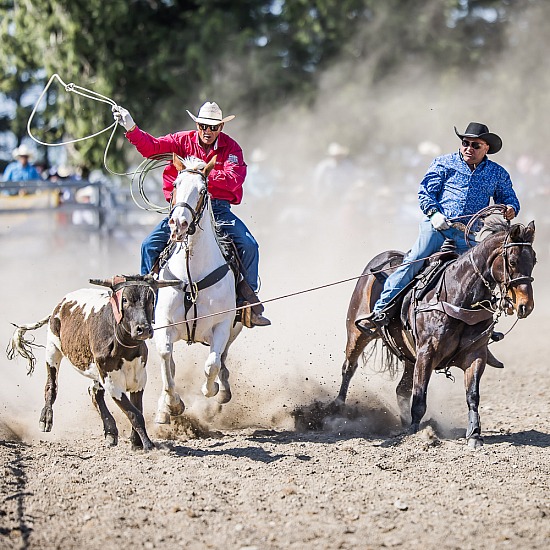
[[226, 179]]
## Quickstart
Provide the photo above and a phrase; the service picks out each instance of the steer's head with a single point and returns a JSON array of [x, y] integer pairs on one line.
[[133, 300]]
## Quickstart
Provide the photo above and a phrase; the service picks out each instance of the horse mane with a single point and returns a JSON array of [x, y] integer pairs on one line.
[[194, 163], [495, 225]]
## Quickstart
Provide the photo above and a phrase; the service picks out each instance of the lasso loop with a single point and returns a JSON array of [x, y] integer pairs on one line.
[[141, 171]]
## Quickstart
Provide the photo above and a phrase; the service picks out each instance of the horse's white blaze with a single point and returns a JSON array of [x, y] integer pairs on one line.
[[204, 257], [132, 377]]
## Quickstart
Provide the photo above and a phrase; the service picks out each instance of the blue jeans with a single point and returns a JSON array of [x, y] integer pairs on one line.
[[246, 245], [428, 242]]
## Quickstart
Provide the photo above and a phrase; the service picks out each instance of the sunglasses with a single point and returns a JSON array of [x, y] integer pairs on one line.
[[473, 144], [205, 127]]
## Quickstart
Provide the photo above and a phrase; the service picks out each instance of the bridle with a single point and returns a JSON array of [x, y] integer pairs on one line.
[[507, 283], [198, 211]]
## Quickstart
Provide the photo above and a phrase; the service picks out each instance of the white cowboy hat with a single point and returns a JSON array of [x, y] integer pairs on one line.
[[210, 113], [22, 151], [337, 150]]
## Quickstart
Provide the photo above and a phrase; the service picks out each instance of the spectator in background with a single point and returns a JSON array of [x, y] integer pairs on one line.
[[335, 174], [20, 170]]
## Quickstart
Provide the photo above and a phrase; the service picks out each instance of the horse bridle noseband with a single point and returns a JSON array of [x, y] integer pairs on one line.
[[506, 284], [201, 204]]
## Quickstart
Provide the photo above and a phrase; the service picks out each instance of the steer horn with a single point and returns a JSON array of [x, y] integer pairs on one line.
[[120, 281]]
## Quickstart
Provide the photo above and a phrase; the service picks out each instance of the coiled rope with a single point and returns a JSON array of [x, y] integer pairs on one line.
[[140, 172]]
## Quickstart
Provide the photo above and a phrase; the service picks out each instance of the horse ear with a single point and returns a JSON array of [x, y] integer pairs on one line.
[[530, 232], [177, 161], [515, 232], [210, 165]]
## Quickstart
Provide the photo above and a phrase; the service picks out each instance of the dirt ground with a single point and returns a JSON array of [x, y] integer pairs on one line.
[[247, 477]]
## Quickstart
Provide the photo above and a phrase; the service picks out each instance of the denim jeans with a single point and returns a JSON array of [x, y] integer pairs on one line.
[[246, 245], [428, 242]]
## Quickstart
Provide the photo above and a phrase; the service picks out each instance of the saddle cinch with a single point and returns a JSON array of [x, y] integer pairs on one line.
[[246, 299]]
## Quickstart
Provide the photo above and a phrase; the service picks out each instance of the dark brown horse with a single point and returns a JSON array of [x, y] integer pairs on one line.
[[450, 323]]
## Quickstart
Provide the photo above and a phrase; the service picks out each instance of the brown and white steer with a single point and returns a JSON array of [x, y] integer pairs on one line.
[[102, 333]]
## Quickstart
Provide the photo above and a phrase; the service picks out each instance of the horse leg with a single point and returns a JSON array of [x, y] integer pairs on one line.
[[421, 378], [212, 368], [214, 362], [404, 391], [53, 360], [169, 403], [357, 341], [135, 417], [110, 429], [472, 378], [224, 395]]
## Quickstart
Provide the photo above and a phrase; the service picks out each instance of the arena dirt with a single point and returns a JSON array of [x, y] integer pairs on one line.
[[248, 476]]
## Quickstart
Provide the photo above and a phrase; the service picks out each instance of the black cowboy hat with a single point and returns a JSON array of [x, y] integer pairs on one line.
[[478, 130]]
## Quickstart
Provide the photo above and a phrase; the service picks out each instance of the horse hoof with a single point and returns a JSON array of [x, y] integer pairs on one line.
[[162, 418], [475, 442], [111, 440], [177, 410], [143, 446], [414, 428], [224, 396], [214, 391], [45, 427]]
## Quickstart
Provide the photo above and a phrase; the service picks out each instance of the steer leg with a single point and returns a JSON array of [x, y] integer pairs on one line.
[[136, 398], [109, 425], [136, 419], [472, 378], [53, 360]]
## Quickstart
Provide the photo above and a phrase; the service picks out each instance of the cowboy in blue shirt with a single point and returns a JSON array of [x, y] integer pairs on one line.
[[456, 186], [21, 169]]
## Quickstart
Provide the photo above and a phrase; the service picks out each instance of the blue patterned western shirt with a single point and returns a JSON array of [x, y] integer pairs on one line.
[[453, 189]]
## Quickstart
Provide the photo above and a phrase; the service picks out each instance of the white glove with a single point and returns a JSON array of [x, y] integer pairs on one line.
[[123, 117], [439, 221]]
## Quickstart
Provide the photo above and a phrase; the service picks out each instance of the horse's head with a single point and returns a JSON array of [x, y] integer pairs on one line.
[[190, 195], [513, 268]]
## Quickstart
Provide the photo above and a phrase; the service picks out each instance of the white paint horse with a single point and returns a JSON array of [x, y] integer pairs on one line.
[[208, 287]]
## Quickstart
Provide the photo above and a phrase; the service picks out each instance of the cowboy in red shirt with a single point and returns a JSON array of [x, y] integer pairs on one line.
[[225, 184]]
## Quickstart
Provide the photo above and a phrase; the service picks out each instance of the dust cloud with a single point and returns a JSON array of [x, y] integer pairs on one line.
[[312, 233]]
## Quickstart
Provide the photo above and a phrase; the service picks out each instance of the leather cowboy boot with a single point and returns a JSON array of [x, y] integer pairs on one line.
[[252, 315], [375, 320]]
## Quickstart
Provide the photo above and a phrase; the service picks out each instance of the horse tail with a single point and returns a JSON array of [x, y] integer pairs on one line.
[[386, 362], [23, 347]]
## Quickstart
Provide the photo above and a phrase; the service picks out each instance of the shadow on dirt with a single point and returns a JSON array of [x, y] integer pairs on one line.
[[529, 438]]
